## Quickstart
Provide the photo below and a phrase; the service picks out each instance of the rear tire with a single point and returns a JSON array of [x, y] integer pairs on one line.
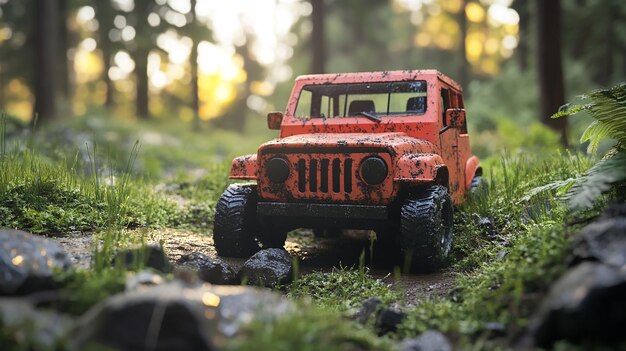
[[235, 222], [426, 228]]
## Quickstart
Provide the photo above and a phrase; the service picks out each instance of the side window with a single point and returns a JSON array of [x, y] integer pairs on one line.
[[453, 100], [461, 105], [444, 102], [303, 110]]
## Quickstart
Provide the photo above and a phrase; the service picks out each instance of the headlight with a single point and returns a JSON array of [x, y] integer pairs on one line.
[[373, 170], [277, 169]]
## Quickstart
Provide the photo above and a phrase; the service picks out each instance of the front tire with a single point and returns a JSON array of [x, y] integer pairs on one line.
[[426, 228], [235, 222]]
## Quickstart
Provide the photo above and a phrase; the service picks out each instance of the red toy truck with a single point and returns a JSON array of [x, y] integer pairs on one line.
[[386, 151]]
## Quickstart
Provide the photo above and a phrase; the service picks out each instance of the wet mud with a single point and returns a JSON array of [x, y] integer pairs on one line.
[[350, 249]]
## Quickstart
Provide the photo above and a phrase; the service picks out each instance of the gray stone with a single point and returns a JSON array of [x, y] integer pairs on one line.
[[429, 340], [27, 262], [587, 303], [149, 256], [388, 320], [142, 279], [270, 267], [369, 307], [175, 316], [209, 269], [603, 241], [25, 325]]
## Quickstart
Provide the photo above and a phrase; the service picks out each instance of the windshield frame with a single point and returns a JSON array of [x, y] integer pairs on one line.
[[338, 95]]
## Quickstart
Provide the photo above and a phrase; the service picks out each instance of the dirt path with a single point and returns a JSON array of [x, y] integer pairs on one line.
[[314, 254]]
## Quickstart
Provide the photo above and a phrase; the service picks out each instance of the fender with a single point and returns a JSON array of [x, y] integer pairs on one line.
[[244, 167], [418, 168], [472, 168]]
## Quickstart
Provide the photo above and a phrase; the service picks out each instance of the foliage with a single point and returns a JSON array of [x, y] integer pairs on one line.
[[503, 267], [341, 289], [82, 289], [308, 329], [608, 108]]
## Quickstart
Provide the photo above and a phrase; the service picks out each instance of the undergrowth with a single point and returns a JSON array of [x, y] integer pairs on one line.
[[342, 289], [508, 248]]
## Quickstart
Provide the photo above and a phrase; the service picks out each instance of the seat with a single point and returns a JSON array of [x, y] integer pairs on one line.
[[358, 106], [416, 104]]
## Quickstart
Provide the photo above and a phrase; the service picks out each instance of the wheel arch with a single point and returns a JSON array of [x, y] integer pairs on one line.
[[472, 169]]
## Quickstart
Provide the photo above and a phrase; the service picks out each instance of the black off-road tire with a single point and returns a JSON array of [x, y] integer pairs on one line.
[[478, 184], [235, 222], [426, 228], [479, 188]]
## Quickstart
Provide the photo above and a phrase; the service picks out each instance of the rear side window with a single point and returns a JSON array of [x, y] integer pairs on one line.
[[444, 102]]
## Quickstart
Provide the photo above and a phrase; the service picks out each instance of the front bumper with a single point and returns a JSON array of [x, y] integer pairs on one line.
[[326, 211]]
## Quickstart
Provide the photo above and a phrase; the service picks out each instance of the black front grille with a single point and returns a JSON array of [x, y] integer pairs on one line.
[[317, 176]]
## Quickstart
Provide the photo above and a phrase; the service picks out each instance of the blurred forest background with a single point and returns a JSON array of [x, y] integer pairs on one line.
[[214, 65]]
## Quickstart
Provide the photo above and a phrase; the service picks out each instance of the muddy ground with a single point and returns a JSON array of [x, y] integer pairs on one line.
[[350, 249]]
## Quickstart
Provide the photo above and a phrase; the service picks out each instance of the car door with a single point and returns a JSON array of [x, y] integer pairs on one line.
[[449, 141]]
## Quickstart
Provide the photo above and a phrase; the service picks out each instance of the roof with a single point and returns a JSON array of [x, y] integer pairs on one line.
[[384, 76]]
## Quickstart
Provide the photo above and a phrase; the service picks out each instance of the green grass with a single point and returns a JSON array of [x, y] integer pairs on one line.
[[502, 274], [342, 289]]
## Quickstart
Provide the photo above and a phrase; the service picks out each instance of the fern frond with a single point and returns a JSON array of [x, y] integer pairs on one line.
[[597, 181], [594, 133], [561, 186], [608, 107]]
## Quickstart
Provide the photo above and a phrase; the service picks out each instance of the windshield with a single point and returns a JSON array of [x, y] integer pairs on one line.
[[380, 99]]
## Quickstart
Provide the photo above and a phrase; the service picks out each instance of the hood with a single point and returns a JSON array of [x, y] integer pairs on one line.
[[395, 143]]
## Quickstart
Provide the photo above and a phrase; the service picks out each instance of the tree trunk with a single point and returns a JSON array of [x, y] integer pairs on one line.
[[62, 67], [105, 16], [46, 29], [463, 65], [193, 61], [109, 100], [318, 44], [195, 90], [141, 74], [606, 68], [521, 6], [550, 69]]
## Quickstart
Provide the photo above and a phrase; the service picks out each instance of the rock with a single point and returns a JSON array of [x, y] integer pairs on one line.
[[429, 340], [27, 262], [388, 320], [149, 256], [270, 267], [486, 225], [209, 269], [31, 328], [495, 329], [368, 308], [175, 316], [615, 210], [142, 279], [587, 303], [602, 241]]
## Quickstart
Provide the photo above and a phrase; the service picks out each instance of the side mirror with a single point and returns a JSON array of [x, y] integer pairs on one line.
[[274, 119], [455, 117]]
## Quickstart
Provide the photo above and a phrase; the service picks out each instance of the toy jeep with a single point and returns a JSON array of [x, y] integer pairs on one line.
[[385, 151]]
